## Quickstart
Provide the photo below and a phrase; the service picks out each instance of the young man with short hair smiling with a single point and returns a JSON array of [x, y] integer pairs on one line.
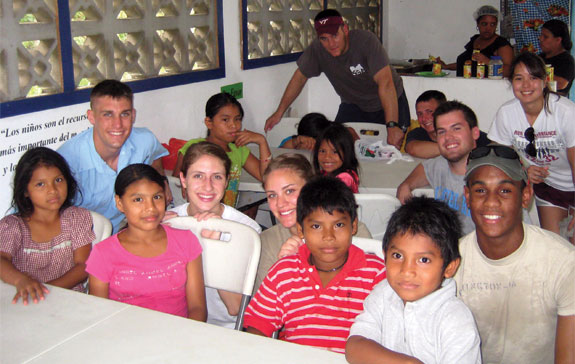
[[457, 132], [517, 279], [97, 155], [421, 142]]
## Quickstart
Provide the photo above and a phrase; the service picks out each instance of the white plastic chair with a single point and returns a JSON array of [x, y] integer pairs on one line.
[[230, 265], [374, 210], [286, 127], [102, 227], [370, 246], [370, 131]]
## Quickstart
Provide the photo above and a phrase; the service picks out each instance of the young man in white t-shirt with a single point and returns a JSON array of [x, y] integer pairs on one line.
[[517, 279]]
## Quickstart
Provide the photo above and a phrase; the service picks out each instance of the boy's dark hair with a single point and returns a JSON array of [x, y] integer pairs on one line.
[[430, 217], [312, 124], [112, 88], [134, 173], [431, 95], [326, 13], [28, 163], [328, 194], [455, 105], [342, 140]]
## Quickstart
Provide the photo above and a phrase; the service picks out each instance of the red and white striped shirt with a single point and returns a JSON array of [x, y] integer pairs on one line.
[[292, 296]]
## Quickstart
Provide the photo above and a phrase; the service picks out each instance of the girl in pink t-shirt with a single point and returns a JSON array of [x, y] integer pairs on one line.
[[334, 155], [148, 264]]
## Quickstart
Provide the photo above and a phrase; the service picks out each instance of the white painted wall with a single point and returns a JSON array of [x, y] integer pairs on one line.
[[438, 27], [176, 111]]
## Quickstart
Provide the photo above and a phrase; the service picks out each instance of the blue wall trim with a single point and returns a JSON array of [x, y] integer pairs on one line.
[[72, 97]]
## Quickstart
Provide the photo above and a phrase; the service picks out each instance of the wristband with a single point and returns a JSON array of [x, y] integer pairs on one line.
[[395, 124]]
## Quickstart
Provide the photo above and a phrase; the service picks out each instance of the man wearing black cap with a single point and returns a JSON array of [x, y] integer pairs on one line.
[[517, 279], [358, 68]]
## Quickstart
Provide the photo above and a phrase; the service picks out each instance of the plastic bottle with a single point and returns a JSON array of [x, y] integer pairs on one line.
[[495, 68]]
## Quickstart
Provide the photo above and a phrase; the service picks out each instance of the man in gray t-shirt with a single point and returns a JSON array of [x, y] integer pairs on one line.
[[358, 68], [457, 133]]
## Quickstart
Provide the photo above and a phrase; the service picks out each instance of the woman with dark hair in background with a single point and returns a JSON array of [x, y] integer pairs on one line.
[[555, 44]]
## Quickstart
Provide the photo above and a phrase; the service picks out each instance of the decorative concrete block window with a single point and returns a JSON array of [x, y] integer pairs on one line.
[[53, 51], [277, 31]]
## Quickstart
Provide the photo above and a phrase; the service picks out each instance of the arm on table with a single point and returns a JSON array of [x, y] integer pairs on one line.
[[565, 340], [25, 285], [388, 98], [359, 349], [291, 92], [78, 272], [422, 149], [195, 290], [416, 179]]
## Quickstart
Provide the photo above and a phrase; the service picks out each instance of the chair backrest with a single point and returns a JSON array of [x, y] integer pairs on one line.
[[370, 131], [230, 265], [370, 246], [102, 227], [286, 127], [374, 210]]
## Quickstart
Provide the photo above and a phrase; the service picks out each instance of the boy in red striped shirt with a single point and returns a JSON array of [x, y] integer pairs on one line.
[[316, 294]]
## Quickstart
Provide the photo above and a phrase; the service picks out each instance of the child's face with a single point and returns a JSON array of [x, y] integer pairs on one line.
[[205, 184], [328, 237], [327, 157], [415, 267], [144, 205], [47, 188], [225, 124]]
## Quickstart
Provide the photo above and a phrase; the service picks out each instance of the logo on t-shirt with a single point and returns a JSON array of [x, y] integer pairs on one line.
[[357, 70]]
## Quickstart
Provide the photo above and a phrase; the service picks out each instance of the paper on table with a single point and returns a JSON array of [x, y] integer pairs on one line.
[[377, 150]]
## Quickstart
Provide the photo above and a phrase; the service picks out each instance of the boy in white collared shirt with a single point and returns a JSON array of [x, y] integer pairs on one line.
[[414, 315]]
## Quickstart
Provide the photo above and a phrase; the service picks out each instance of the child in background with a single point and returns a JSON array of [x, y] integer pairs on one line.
[[414, 315], [224, 116], [308, 129], [334, 155], [317, 293], [47, 240], [148, 264], [205, 173]]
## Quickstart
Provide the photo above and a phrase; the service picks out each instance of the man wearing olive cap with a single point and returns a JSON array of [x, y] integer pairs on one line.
[[358, 68], [517, 279]]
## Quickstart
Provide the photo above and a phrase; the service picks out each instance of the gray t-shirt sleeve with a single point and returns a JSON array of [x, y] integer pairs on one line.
[[377, 57]]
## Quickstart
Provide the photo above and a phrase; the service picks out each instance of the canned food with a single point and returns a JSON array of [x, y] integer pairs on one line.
[[467, 69], [480, 70], [549, 70], [436, 69]]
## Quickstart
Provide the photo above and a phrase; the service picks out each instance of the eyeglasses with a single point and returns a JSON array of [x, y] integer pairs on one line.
[[529, 134], [499, 150]]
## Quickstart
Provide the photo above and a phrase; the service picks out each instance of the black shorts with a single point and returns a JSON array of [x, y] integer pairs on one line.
[[552, 196]]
